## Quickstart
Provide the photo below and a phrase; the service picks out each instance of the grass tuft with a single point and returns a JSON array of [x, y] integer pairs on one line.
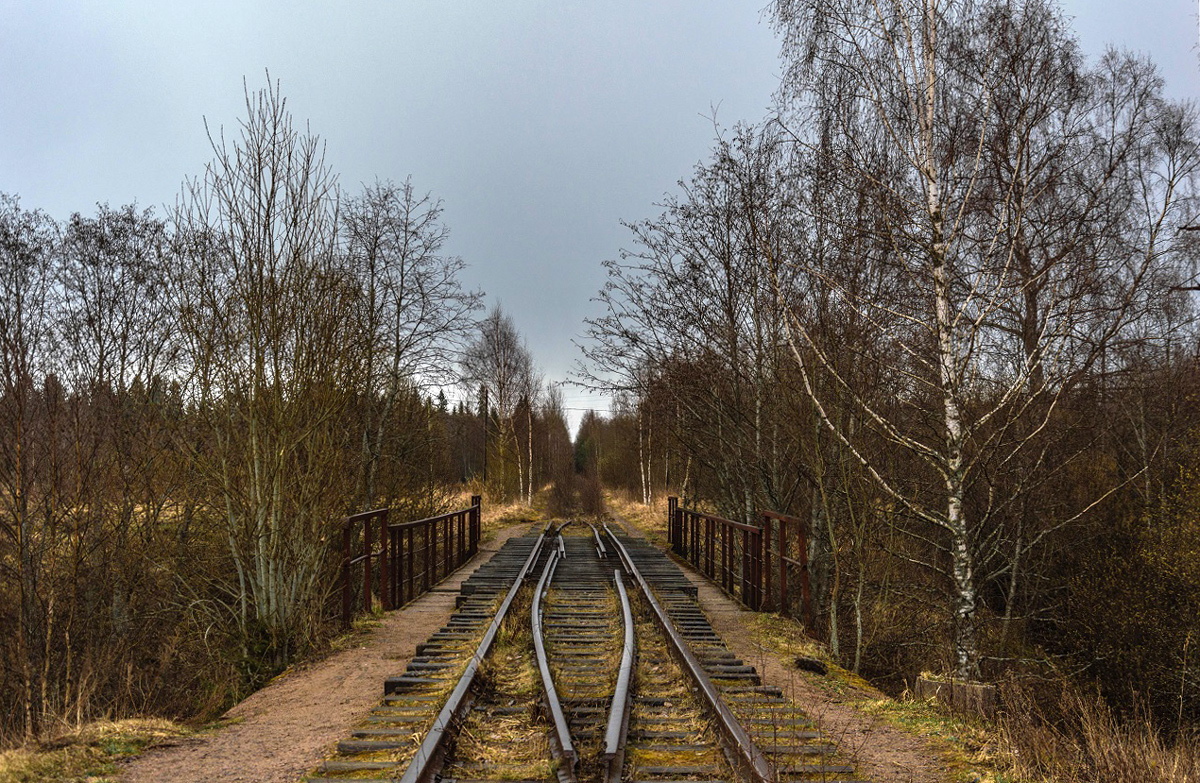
[[88, 754]]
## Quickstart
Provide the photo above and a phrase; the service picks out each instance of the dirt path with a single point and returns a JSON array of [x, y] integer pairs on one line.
[[882, 753], [282, 731]]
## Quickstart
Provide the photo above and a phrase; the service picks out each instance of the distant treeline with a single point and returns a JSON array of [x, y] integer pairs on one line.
[[941, 305]]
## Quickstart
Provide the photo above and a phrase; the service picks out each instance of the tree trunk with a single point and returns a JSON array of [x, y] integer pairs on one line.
[[966, 652]]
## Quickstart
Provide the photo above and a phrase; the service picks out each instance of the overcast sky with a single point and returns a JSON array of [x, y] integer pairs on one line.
[[541, 125]]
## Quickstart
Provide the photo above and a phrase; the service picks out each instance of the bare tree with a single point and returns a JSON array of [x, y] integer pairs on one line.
[[691, 316], [416, 316], [266, 316], [27, 245], [498, 362]]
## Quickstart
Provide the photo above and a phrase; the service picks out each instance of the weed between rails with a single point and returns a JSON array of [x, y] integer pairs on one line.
[[505, 736], [658, 676]]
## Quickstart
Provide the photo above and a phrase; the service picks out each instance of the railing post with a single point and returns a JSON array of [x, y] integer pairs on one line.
[[783, 596], [768, 602], [433, 574], [428, 560], [385, 571], [694, 525], [393, 575], [708, 545], [367, 565], [747, 598], [758, 569], [476, 520], [674, 534], [346, 573], [411, 533], [726, 560], [805, 590], [398, 564]]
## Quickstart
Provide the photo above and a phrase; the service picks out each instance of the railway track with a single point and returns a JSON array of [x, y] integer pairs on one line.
[[580, 654]]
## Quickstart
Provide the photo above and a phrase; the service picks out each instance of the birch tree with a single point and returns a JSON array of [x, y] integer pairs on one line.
[[901, 104], [497, 363]]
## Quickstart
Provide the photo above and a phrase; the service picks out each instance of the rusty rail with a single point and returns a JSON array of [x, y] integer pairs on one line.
[[401, 561], [622, 700], [561, 743], [738, 557], [741, 749]]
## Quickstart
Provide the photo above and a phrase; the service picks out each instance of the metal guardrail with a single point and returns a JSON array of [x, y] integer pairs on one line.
[[773, 521], [727, 552], [402, 561], [738, 557]]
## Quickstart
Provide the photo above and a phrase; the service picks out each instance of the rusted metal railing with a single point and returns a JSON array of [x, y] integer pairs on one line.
[[401, 561], [778, 531], [739, 557], [727, 552]]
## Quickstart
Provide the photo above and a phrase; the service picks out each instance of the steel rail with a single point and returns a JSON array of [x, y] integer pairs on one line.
[[600, 550], [424, 766], [744, 753], [618, 714], [562, 746]]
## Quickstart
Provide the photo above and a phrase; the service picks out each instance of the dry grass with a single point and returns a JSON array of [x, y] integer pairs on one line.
[[1083, 742], [512, 746], [651, 519], [499, 515], [88, 754]]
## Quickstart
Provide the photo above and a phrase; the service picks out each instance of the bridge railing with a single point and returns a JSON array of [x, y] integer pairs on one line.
[[399, 561], [729, 553], [778, 531], [752, 563]]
